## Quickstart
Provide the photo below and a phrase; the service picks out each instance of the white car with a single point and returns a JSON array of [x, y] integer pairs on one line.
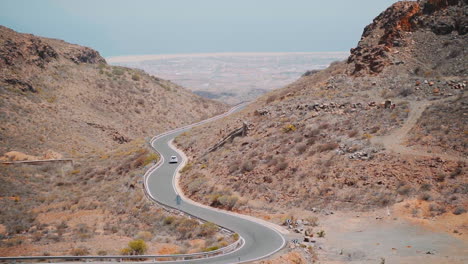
[[173, 159]]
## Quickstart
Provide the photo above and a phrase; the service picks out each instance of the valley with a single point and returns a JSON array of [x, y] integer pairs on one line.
[[231, 77], [356, 157]]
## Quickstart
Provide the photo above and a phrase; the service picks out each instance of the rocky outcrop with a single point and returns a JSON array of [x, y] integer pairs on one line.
[[31, 51], [370, 56], [23, 86], [85, 55], [25, 49], [388, 30]]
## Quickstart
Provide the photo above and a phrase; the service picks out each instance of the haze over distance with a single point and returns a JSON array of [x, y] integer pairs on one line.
[[118, 28], [264, 44], [231, 77]]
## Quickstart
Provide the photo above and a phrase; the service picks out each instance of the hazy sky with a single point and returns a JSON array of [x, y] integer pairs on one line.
[[117, 27]]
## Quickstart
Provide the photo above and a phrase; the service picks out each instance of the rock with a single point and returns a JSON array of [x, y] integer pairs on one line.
[[267, 179], [23, 86], [116, 136], [262, 112], [436, 90], [387, 104], [443, 26], [303, 245], [309, 232], [311, 72], [314, 114], [299, 230], [85, 55], [360, 155], [462, 26]]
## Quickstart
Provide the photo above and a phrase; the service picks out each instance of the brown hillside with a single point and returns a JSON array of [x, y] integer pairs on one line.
[[59, 100], [387, 126]]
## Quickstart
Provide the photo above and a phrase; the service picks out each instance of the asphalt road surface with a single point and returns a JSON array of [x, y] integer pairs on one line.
[[260, 241]]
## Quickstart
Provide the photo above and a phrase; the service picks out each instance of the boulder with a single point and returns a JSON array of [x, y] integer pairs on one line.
[[443, 26]]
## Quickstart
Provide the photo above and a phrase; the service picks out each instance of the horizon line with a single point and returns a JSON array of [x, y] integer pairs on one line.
[[146, 57]]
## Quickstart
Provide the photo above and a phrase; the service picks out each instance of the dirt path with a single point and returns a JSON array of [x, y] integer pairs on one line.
[[394, 141], [374, 237]]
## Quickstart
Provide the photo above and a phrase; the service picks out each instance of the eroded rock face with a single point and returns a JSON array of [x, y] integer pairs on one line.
[[23, 86], [32, 51], [23, 49], [388, 30], [370, 56], [85, 55]]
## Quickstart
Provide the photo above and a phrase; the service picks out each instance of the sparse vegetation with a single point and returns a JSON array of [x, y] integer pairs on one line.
[[289, 128], [136, 77], [459, 211], [81, 251], [247, 166], [321, 233], [135, 247], [117, 71]]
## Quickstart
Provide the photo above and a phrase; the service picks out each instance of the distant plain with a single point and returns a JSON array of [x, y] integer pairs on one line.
[[231, 77]]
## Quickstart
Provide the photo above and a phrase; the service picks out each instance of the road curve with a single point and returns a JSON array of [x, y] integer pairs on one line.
[[260, 240]]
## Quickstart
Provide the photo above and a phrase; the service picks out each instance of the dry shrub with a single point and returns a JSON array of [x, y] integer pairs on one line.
[[196, 185], [324, 126], [270, 99], [282, 166], [234, 166], [310, 141], [312, 133], [185, 227], [273, 162], [352, 133], [374, 130], [301, 148], [404, 92], [425, 187], [169, 220], [81, 251], [327, 147], [459, 211], [135, 77], [228, 201], [298, 139], [289, 128], [440, 177], [436, 209], [404, 190], [208, 229], [247, 166], [425, 197], [135, 247], [383, 199], [456, 172]]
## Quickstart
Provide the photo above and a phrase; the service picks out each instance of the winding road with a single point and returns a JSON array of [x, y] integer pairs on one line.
[[260, 240]]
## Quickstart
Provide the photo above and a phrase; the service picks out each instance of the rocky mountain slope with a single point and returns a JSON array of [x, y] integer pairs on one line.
[[52, 90], [385, 129], [59, 100]]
